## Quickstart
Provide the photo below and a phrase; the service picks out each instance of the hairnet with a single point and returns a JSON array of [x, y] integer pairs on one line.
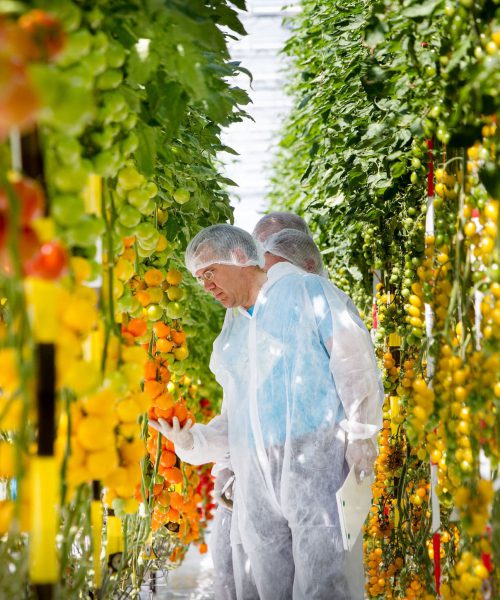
[[225, 245], [276, 221], [296, 247]]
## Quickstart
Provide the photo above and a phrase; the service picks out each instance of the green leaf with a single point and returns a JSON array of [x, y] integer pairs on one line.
[[489, 175], [421, 9], [145, 154], [398, 169]]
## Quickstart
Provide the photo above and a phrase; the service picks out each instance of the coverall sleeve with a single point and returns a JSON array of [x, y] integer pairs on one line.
[[210, 442], [352, 360]]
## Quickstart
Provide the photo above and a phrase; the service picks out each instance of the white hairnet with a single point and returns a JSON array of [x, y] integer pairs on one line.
[[223, 244], [296, 247], [276, 221]]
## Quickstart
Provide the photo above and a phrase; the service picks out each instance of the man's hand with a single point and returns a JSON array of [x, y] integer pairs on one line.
[[180, 437], [223, 489], [361, 455]]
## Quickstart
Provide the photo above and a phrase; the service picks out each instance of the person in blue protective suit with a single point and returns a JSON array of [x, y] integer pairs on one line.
[[301, 394], [284, 237]]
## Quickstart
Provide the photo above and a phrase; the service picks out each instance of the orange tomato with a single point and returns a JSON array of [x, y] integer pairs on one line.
[[164, 345], [153, 277], [153, 388], [179, 337], [168, 459], [161, 329], [173, 475], [180, 411], [137, 327]]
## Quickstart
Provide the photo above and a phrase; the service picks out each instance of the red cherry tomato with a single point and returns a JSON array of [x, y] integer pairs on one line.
[[31, 198], [50, 262], [29, 247], [45, 34], [3, 230]]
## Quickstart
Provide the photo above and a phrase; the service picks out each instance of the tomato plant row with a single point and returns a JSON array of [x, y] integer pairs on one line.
[[110, 128], [391, 150]]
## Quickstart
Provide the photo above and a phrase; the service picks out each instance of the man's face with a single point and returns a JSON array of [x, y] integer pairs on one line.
[[270, 260], [228, 284]]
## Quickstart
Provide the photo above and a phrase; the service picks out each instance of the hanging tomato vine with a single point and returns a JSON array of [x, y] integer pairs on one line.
[[111, 114], [391, 150]]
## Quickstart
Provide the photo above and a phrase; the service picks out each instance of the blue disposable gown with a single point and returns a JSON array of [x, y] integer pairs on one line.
[[300, 379]]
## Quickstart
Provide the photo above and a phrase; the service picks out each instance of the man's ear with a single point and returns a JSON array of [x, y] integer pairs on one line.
[[240, 256], [310, 266]]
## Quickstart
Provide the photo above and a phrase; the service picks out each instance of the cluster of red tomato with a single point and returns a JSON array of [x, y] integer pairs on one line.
[[35, 37], [22, 202]]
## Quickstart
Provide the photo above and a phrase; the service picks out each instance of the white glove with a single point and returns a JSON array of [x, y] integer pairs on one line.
[[361, 455], [223, 489], [180, 437]]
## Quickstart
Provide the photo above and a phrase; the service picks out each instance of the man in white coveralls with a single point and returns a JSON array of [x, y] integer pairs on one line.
[[284, 237], [301, 394]]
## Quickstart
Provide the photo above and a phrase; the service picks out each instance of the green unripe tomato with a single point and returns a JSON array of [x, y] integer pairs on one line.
[[115, 55], [107, 162], [129, 178], [72, 178], [154, 312], [78, 45], [129, 216], [129, 144], [94, 17], [109, 80], [149, 245], [174, 310], [103, 139], [146, 232], [130, 121], [68, 149], [96, 62], [67, 210], [139, 198], [80, 76], [86, 231], [152, 189], [101, 42]]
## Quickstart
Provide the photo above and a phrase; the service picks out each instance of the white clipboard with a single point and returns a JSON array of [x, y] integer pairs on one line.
[[353, 501]]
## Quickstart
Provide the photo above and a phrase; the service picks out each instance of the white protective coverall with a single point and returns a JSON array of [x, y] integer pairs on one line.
[[233, 576], [298, 376]]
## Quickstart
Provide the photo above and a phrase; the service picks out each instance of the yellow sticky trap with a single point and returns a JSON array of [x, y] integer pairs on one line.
[[41, 295], [114, 535], [96, 522], [394, 339], [43, 563], [394, 400], [92, 194]]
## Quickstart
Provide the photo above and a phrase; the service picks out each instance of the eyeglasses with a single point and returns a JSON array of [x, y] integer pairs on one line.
[[206, 276]]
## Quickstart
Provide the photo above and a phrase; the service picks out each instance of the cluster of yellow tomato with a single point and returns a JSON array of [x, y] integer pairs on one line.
[[469, 575], [441, 409]]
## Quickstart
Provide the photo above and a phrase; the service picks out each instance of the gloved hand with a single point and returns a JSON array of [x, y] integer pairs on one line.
[[361, 455], [180, 437], [223, 489]]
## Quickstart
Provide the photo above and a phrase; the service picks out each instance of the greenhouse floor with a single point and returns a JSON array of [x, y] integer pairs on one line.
[[193, 580]]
